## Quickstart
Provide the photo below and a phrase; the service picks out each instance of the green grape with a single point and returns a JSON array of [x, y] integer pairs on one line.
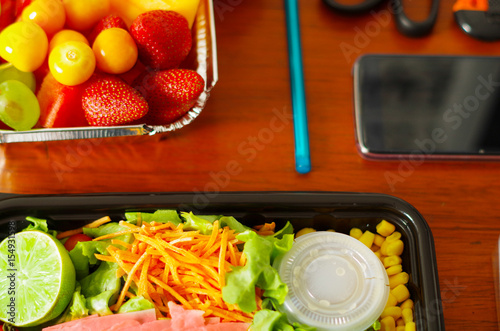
[[9, 72], [19, 107]]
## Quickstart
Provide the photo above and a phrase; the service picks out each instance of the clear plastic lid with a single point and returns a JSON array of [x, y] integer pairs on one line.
[[334, 282]]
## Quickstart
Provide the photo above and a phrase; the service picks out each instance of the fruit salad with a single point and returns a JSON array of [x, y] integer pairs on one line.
[[100, 63]]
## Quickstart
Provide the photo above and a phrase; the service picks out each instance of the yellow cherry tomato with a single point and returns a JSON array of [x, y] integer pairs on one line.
[[82, 15], [115, 51], [24, 44], [64, 36], [72, 63], [48, 14]]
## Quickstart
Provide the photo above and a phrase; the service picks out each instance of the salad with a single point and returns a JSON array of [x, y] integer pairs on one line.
[[179, 269]]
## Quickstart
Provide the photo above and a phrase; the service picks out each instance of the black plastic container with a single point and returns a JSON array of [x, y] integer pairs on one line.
[[322, 211]]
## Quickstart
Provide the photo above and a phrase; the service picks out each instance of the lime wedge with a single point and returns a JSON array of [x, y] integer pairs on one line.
[[37, 278]]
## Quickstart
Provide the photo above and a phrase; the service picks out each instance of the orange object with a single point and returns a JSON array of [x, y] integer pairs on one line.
[[115, 51], [48, 14], [82, 15], [480, 5], [130, 9]]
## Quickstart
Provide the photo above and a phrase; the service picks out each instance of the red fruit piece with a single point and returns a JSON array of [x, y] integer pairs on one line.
[[60, 105], [170, 94], [108, 100], [108, 22], [8, 13], [163, 38], [20, 5]]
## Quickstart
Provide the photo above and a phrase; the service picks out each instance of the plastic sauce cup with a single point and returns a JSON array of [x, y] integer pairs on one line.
[[334, 282]]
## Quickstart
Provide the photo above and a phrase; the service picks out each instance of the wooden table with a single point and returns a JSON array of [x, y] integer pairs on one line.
[[243, 141]]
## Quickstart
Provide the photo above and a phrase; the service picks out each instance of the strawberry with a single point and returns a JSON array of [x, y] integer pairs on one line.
[[163, 38], [108, 100], [107, 22], [170, 93]]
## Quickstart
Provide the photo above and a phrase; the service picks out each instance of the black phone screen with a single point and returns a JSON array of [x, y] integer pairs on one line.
[[428, 104]]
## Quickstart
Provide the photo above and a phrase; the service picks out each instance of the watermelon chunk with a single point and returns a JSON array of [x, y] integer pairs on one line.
[[60, 105]]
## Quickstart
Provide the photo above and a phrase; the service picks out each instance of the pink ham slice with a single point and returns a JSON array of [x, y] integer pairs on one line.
[[182, 320], [94, 323]]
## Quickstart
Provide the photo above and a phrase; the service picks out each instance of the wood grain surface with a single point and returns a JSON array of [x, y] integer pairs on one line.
[[243, 140]]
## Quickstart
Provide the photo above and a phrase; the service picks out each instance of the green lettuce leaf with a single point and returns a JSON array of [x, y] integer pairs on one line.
[[135, 304], [40, 225], [193, 222], [101, 288], [270, 320], [375, 326], [83, 256], [260, 252], [287, 229], [76, 309], [99, 304], [204, 223], [233, 224], [103, 230], [159, 216]]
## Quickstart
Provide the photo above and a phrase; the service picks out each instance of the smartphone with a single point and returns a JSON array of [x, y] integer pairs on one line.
[[427, 106]]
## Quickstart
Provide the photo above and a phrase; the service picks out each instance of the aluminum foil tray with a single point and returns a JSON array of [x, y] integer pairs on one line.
[[203, 59]]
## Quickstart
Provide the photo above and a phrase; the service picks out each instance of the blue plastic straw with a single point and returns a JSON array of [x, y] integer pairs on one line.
[[302, 154]]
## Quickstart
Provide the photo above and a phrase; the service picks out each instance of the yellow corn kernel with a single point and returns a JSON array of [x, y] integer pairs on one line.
[[401, 278], [389, 261], [394, 236], [387, 324], [400, 322], [385, 228], [374, 248], [410, 326], [400, 292], [394, 311], [407, 315], [367, 238], [378, 240], [383, 248], [304, 231], [378, 254], [330, 230], [391, 301], [408, 303], [395, 247], [400, 328], [356, 233], [395, 269]]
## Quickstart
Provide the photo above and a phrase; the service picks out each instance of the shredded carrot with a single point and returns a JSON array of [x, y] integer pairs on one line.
[[222, 257], [121, 243], [127, 224], [129, 280], [105, 258], [65, 234], [167, 263], [266, 227], [99, 222], [116, 234], [94, 224]]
